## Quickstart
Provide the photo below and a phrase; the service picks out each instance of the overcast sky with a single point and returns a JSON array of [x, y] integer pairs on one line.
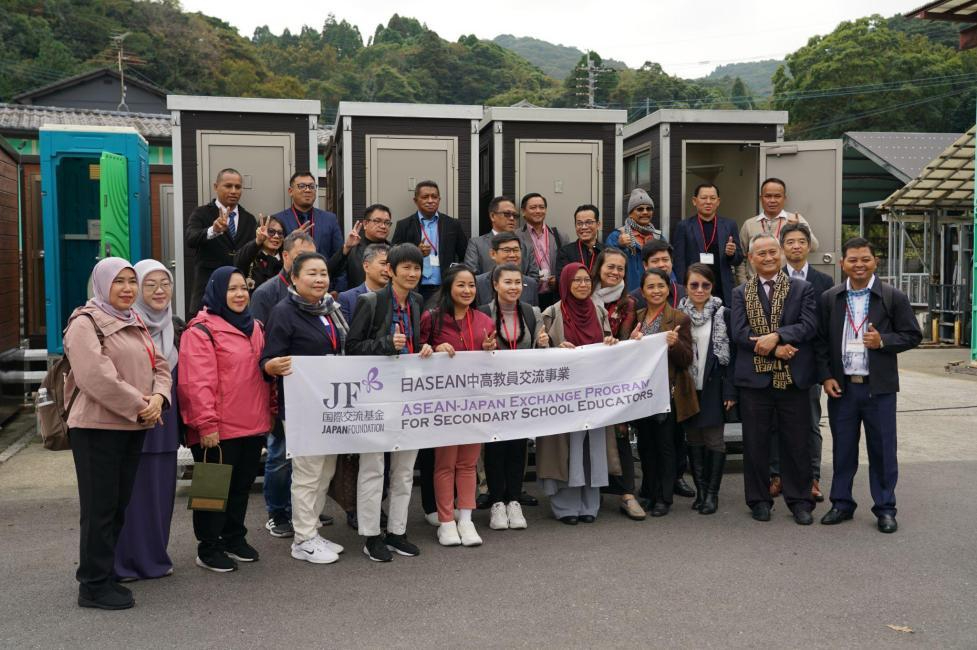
[[688, 39]]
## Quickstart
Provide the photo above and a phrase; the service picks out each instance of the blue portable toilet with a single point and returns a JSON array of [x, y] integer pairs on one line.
[[95, 204]]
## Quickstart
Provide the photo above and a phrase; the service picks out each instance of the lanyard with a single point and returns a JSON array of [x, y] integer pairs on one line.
[[331, 331], [311, 220], [674, 295], [712, 240], [649, 322], [281, 276], [471, 333], [780, 224], [408, 329], [428, 239], [513, 341], [150, 349], [851, 321], [593, 257], [544, 259]]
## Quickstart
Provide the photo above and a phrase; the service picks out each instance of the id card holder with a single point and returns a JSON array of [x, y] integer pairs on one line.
[[432, 257], [707, 258], [855, 346]]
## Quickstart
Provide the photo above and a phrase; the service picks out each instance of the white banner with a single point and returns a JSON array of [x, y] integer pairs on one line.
[[339, 405]]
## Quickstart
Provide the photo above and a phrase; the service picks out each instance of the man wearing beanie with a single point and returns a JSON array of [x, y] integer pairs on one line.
[[635, 233]]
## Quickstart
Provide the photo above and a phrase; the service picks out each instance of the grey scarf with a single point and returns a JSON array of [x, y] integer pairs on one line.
[[632, 225], [713, 310], [325, 307]]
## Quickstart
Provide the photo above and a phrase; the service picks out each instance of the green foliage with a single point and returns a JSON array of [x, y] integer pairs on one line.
[[557, 61], [755, 74]]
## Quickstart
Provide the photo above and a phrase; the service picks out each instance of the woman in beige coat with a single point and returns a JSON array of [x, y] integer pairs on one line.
[[121, 384]]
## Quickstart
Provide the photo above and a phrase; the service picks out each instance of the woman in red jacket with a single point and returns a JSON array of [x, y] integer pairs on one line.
[[455, 326], [226, 403]]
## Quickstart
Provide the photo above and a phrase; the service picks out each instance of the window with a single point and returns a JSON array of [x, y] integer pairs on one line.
[[637, 171]]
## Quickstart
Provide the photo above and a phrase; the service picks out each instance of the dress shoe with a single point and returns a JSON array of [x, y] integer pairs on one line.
[[660, 510], [483, 502], [587, 519], [776, 486], [761, 512], [526, 499], [803, 517], [682, 488], [816, 491], [104, 597], [887, 524], [632, 510], [569, 520], [835, 516]]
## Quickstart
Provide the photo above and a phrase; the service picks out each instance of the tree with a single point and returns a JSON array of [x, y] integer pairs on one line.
[[342, 36], [740, 95]]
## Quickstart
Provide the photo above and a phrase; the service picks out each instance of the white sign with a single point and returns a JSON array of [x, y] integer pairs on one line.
[[340, 405]]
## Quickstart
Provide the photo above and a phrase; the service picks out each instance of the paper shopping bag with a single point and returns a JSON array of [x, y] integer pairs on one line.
[[210, 486]]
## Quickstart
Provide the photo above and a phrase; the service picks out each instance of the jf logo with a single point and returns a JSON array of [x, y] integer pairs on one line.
[[345, 393]]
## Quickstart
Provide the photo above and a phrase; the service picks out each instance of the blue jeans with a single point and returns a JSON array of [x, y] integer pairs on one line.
[[278, 473]]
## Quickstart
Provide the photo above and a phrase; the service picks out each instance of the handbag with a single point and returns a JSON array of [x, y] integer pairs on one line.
[[343, 486], [211, 485]]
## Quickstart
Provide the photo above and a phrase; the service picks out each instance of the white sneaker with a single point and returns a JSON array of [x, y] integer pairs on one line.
[[466, 529], [514, 512], [331, 546], [448, 534], [500, 520], [432, 518], [312, 551]]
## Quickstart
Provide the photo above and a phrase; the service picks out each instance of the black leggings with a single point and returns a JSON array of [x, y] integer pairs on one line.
[[656, 445], [504, 469]]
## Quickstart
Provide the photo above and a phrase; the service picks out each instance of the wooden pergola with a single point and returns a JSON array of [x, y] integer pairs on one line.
[[958, 11]]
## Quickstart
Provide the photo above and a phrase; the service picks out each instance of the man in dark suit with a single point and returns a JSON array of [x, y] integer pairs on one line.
[[586, 221], [374, 228], [864, 324], [216, 231], [440, 237], [321, 225], [478, 255], [796, 238], [774, 322], [375, 274], [543, 242], [506, 249], [709, 239]]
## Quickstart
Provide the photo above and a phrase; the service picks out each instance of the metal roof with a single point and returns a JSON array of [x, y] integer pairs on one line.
[[904, 155], [946, 182], [27, 119], [78, 79]]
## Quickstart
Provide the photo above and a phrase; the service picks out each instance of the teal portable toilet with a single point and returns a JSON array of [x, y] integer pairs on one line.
[[95, 204]]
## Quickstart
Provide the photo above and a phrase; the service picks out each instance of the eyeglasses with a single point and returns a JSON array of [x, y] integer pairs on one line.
[[507, 214], [383, 223], [705, 286], [305, 186], [509, 250], [581, 281], [275, 234], [153, 287], [643, 208], [586, 224]]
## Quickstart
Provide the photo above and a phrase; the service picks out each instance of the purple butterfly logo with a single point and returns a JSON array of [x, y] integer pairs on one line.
[[372, 383]]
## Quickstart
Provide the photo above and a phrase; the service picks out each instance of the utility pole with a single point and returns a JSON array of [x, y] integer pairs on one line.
[[120, 56], [587, 86]]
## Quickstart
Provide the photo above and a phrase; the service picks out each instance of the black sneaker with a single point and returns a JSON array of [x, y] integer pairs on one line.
[[325, 520], [216, 561], [399, 545], [376, 550], [106, 597], [242, 552], [351, 520], [280, 526]]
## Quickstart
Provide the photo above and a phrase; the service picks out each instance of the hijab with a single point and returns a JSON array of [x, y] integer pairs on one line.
[[580, 323], [158, 321], [215, 300], [103, 275]]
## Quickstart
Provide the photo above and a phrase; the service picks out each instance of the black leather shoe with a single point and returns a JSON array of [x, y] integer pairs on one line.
[[836, 516], [682, 488], [761, 512], [887, 524], [587, 519], [803, 518], [569, 520], [483, 502], [526, 499], [660, 510]]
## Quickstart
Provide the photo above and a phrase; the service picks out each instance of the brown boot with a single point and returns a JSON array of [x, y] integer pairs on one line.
[[775, 486], [816, 491]]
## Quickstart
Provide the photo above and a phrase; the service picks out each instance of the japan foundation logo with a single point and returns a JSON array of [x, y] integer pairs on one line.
[[344, 393]]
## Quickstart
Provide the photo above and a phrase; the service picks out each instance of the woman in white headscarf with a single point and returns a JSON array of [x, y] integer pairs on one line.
[[141, 551], [118, 387]]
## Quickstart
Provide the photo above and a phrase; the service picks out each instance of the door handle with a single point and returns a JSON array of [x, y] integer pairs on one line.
[[827, 258]]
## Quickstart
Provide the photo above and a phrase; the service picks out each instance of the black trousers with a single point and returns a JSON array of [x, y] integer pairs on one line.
[[623, 484], [105, 464], [785, 413], [216, 531], [425, 465], [681, 450], [656, 445], [504, 469]]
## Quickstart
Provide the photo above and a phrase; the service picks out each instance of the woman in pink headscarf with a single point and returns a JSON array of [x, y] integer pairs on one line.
[[118, 387]]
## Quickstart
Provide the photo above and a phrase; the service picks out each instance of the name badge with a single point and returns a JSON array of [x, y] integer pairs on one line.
[[432, 257], [855, 346], [707, 258]]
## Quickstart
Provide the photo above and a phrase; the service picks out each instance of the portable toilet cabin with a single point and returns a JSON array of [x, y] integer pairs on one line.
[[380, 151], [95, 204], [671, 151], [267, 140], [571, 156]]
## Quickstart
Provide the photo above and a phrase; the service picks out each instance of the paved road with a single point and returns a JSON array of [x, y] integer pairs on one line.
[[684, 580]]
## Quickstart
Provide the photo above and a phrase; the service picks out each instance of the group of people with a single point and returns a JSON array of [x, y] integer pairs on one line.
[[262, 294]]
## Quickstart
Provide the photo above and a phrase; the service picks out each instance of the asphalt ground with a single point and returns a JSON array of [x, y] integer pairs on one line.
[[682, 580]]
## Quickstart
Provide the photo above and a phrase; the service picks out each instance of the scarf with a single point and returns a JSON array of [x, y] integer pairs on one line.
[[713, 310], [580, 323], [325, 307], [215, 300], [159, 322], [103, 275], [630, 225], [761, 325], [604, 295]]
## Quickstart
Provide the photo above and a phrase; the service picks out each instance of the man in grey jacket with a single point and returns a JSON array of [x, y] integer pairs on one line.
[[503, 215]]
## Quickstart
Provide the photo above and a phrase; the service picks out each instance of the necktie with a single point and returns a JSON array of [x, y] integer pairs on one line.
[[231, 226], [768, 287]]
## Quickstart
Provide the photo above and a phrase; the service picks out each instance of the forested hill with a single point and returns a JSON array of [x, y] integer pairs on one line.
[[558, 61]]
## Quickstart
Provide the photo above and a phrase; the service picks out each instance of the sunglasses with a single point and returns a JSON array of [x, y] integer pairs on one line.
[[695, 286]]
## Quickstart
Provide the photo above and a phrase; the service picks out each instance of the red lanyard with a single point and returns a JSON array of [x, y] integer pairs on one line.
[[408, 331], [151, 348], [851, 321], [649, 322], [281, 276], [593, 257], [546, 247], [428, 239], [513, 342], [311, 220], [780, 224], [331, 331], [674, 295], [471, 333], [715, 229]]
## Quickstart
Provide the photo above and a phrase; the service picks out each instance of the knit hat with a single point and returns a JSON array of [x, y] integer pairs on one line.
[[639, 197]]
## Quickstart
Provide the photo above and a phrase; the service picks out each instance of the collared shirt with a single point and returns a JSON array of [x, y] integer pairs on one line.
[[768, 223], [857, 312], [232, 215], [430, 274], [541, 252], [800, 274]]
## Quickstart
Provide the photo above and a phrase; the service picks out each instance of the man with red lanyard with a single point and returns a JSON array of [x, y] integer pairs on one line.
[[586, 221], [543, 242], [773, 197], [709, 239]]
